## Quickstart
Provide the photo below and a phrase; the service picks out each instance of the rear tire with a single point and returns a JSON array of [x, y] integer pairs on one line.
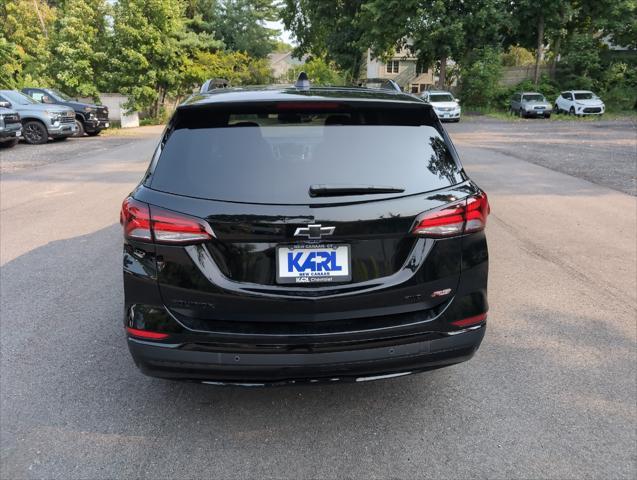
[[556, 109], [521, 113], [10, 144], [548, 115], [35, 133], [80, 128]]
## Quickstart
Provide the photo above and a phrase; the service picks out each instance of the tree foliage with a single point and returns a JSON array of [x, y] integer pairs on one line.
[[145, 37], [434, 31], [241, 25], [319, 71], [24, 32], [328, 29], [76, 45], [154, 49]]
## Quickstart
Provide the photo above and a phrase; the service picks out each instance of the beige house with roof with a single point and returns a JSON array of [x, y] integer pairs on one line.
[[281, 63]]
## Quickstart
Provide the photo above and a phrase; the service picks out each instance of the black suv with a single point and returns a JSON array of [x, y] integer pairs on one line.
[[90, 119], [303, 234]]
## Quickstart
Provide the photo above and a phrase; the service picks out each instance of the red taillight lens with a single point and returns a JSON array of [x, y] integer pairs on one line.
[[135, 218], [146, 223], [446, 222], [477, 211], [171, 227], [467, 216], [467, 322], [135, 332]]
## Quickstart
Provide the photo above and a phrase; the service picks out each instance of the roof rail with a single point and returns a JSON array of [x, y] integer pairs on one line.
[[303, 82], [380, 84]]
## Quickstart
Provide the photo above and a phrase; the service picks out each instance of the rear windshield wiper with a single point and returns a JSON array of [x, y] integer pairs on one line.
[[327, 190]]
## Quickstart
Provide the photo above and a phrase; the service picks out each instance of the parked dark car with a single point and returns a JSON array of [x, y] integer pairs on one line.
[[260, 251], [10, 126], [89, 118]]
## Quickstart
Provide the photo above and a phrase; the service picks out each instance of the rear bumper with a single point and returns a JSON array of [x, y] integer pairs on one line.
[[538, 113], [188, 362]]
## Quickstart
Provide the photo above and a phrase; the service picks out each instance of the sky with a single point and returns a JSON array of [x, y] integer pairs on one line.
[[284, 34]]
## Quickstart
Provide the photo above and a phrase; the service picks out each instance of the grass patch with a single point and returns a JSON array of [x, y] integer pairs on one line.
[[126, 132], [475, 114]]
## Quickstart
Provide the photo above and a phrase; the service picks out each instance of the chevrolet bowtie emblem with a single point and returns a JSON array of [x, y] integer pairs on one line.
[[314, 232]]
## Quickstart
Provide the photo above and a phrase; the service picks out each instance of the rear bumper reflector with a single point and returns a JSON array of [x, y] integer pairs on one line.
[[148, 335], [465, 322]]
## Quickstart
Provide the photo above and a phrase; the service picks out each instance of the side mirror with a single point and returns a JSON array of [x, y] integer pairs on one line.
[[458, 100], [5, 104]]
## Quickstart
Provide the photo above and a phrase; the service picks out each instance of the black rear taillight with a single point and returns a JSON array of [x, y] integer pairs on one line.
[[466, 216], [147, 223]]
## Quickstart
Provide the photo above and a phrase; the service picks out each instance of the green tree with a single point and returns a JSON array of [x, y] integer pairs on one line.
[[236, 67], [330, 30], [24, 28], [146, 63], [10, 65], [241, 26], [479, 78], [536, 20], [76, 44], [319, 71], [435, 31]]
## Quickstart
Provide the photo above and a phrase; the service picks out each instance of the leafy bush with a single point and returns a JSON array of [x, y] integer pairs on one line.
[[319, 71], [479, 78], [581, 64], [517, 56]]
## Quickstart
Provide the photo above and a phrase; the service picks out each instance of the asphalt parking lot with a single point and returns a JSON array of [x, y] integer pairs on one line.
[[550, 394]]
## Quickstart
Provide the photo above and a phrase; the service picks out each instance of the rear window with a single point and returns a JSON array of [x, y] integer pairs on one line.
[[441, 97], [274, 155], [534, 97]]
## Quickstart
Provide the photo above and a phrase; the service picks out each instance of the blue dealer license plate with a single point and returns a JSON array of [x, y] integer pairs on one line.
[[313, 264]]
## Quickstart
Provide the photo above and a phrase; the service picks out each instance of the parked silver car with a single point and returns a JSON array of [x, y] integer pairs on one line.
[[446, 106], [530, 104], [40, 121], [10, 126]]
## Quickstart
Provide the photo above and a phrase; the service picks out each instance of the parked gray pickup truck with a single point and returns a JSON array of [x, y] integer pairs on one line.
[[10, 127], [40, 121]]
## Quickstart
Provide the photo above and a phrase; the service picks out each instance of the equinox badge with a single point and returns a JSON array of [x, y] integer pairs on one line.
[[314, 232]]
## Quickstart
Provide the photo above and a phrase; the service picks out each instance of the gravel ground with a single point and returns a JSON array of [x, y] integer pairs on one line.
[[602, 151]]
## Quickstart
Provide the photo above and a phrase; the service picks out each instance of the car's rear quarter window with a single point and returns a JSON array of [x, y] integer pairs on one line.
[[274, 154]]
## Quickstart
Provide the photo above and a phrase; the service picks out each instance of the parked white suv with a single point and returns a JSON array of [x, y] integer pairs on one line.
[[579, 102], [445, 105]]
